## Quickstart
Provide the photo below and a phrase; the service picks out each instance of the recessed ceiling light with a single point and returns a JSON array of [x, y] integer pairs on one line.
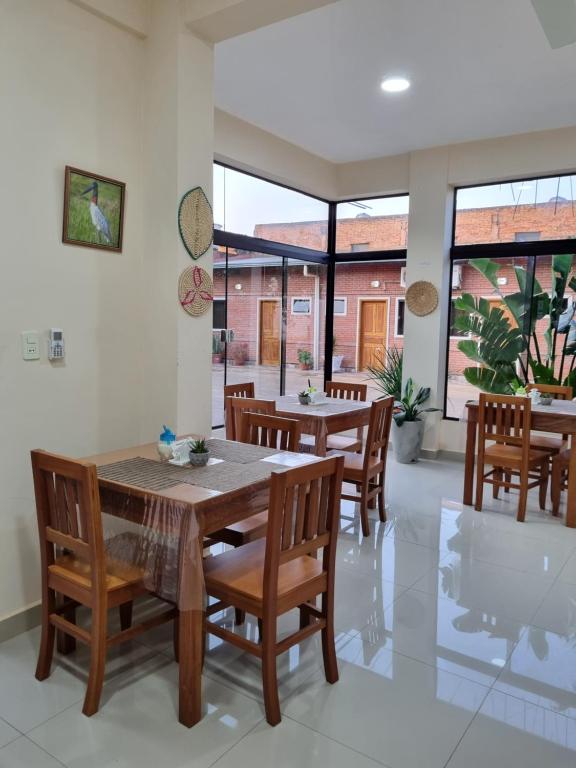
[[395, 84]]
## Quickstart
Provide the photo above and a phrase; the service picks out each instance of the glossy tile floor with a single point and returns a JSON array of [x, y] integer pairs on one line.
[[456, 644]]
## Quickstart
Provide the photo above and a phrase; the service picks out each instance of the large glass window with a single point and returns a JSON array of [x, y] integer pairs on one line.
[[246, 205], [516, 211], [376, 224]]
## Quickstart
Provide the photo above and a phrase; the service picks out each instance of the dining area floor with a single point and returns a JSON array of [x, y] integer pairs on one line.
[[455, 634]]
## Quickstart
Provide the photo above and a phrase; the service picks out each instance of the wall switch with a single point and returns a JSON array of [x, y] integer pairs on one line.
[[30, 345]]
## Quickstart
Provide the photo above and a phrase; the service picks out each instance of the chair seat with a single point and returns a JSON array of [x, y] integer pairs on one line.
[[545, 443], [354, 466], [78, 571], [333, 443], [511, 456], [241, 571], [244, 531]]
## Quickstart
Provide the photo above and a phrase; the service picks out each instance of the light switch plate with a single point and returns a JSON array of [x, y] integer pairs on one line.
[[30, 345]]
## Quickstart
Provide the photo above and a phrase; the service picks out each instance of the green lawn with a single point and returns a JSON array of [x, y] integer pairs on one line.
[[80, 225]]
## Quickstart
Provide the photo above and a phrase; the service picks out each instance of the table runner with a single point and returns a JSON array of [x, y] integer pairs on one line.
[[331, 406], [228, 451]]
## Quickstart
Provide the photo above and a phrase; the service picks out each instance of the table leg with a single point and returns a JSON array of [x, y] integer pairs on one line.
[[190, 639], [571, 496], [321, 438], [469, 465]]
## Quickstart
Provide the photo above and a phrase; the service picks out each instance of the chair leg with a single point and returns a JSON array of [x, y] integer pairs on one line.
[[328, 642], [521, 514], [364, 510], [48, 635], [479, 487], [269, 679], [97, 660], [381, 499], [556, 486], [508, 478], [239, 617], [498, 479], [66, 644], [125, 612], [176, 640], [544, 485]]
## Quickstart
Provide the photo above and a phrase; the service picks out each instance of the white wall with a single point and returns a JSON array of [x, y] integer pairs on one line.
[[70, 94]]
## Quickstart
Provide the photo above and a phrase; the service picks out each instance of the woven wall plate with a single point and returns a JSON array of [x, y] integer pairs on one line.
[[196, 222], [195, 291], [421, 298]]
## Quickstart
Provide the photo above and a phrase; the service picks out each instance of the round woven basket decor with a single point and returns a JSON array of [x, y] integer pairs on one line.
[[195, 291], [421, 298], [195, 222]]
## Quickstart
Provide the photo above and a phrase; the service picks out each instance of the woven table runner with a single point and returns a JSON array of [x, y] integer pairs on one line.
[[143, 473], [243, 453], [329, 407], [227, 476]]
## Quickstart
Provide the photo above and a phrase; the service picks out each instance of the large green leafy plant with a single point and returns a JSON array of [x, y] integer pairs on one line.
[[508, 354], [409, 406], [387, 372]]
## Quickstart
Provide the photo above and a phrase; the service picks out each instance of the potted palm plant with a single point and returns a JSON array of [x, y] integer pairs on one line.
[[408, 426], [305, 359]]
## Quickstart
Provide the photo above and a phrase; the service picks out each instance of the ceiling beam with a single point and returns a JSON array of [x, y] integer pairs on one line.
[[130, 15], [217, 20]]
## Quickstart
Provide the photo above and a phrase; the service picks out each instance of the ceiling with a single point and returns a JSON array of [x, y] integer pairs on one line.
[[479, 69]]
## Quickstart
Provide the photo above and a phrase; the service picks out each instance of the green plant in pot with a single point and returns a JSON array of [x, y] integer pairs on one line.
[[199, 453], [304, 397], [408, 426], [305, 359]]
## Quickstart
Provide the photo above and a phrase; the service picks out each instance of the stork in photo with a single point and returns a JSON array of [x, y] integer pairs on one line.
[[99, 221]]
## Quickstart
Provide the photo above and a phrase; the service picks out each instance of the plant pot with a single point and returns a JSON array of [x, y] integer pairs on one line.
[[216, 359], [305, 366], [304, 399], [337, 362], [199, 459], [407, 441]]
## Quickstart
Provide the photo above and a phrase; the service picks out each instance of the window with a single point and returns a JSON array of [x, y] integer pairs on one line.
[[400, 307], [219, 313], [376, 224], [340, 307], [246, 205], [301, 306], [526, 237], [516, 211], [454, 315]]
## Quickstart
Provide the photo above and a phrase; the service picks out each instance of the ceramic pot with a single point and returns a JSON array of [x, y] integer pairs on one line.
[[304, 399], [407, 440], [199, 459]]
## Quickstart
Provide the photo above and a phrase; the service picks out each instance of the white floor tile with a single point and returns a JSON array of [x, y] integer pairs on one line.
[[139, 727], [7, 733], [510, 733], [558, 610], [291, 744], [568, 573], [395, 710], [22, 753], [542, 670]]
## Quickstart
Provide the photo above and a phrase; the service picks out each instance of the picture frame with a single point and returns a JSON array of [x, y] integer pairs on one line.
[[93, 210]]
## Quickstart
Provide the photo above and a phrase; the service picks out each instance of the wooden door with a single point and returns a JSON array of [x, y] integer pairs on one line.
[[373, 330], [270, 332]]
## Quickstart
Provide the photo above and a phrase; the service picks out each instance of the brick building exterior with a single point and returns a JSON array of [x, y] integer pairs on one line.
[[254, 278]]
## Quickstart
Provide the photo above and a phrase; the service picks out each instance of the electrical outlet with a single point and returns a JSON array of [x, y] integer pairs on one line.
[[30, 345]]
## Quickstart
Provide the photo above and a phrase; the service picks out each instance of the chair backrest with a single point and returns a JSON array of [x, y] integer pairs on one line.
[[68, 511], [557, 391], [303, 517], [378, 438], [346, 391], [269, 431], [236, 405], [505, 420], [235, 390]]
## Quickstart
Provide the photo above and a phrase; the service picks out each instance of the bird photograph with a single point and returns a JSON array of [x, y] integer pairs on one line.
[[93, 211]]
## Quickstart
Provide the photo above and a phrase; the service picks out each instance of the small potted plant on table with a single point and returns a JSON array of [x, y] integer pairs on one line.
[[199, 453]]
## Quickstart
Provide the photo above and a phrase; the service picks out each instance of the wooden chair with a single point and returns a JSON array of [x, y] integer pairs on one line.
[[504, 423], [270, 577], [343, 391], [545, 442], [234, 406], [368, 471], [559, 478], [235, 390], [74, 565]]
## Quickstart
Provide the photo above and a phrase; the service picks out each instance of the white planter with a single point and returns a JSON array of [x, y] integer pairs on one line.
[[337, 362], [407, 441]]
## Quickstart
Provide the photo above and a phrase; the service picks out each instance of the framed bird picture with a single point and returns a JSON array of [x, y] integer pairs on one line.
[[93, 210]]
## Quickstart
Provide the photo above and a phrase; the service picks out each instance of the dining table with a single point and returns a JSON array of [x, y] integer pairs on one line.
[[181, 505], [558, 418], [328, 417]]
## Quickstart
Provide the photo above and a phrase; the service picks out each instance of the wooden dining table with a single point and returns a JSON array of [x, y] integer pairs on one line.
[[558, 418], [329, 417], [205, 511]]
